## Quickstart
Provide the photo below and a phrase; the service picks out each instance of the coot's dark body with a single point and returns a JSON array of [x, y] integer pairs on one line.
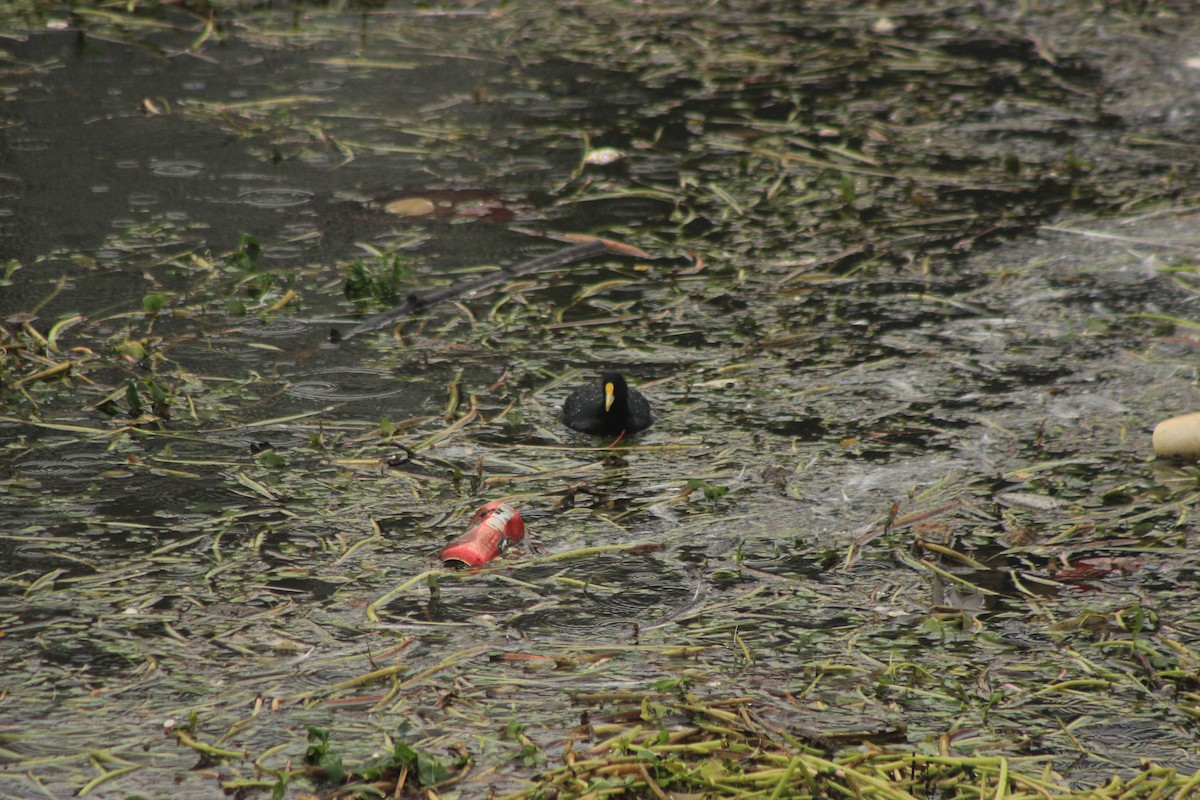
[[606, 407]]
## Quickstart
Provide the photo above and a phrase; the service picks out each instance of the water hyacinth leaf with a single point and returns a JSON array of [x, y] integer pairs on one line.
[[271, 459], [132, 349], [248, 251], [643, 753], [259, 283], [133, 399], [331, 764], [381, 282], [153, 303], [429, 769], [158, 395], [321, 754]]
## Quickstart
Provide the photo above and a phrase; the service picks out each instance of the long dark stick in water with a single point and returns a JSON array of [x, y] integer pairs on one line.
[[416, 303]]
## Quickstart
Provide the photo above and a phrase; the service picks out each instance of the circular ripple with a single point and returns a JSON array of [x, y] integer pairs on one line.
[[142, 199], [175, 169], [347, 383], [283, 252], [29, 144], [277, 328], [275, 197], [73, 467], [321, 85], [246, 443], [220, 357]]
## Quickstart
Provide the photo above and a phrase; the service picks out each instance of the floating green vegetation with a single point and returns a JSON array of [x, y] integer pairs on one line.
[[255, 280], [711, 493], [323, 757], [686, 747], [671, 743], [381, 284]]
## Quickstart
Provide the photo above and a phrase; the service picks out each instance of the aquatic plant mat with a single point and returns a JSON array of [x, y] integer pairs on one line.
[[661, 746], [684, 748], [906, 284]]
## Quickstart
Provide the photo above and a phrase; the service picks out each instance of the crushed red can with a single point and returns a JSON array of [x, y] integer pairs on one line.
[[492, 528]]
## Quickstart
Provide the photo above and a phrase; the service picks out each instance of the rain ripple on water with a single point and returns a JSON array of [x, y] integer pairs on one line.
[[346, 383], [275, 197], [173, 168], [72, 467]]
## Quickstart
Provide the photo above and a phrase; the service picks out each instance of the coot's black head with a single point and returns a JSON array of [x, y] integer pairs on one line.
[[616, 392]]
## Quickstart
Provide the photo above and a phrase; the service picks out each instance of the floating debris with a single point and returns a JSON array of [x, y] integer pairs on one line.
[[603, 156], [492, 528], [1178, 437]]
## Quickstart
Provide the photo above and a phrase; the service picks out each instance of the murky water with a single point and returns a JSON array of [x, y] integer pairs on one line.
[[872, 369]]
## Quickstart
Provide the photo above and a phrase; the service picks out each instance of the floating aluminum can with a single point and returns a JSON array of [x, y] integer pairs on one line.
[[492, 528]]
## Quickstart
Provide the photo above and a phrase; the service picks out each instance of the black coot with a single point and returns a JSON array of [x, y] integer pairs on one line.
[[607, 406]]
